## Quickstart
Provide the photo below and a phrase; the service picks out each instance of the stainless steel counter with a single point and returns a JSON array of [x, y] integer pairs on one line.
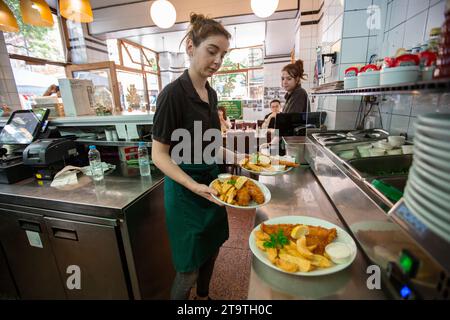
[[299, 193], [105, 199]]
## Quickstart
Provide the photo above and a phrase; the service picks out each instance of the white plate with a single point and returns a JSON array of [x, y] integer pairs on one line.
[[434, 143], [441, 120], [423, 215], [431, 198], [342, 236], [433, 161], [267, 173], [427, 149], [434, 133], [433, 173], [253, 204]]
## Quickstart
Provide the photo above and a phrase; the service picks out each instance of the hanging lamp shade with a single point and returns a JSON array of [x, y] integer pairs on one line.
[[8, 22], [76, 10], [163, 13], [36, 13], [264, 8]]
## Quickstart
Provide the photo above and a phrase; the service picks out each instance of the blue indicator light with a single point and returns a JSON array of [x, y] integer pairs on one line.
[[405, 292]]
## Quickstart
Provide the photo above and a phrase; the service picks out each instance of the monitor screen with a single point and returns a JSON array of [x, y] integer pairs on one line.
[[286, 123], [22, 127]]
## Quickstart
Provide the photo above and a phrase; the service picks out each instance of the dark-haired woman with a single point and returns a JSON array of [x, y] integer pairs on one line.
[[225, 123], [296, 97], [197, 226]]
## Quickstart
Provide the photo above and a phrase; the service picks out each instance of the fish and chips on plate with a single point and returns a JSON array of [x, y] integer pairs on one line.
[[240, 192], [309, 247], [262, 164]]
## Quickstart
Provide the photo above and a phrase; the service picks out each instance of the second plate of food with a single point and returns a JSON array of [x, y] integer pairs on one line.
[[267, 166], [241, 192]]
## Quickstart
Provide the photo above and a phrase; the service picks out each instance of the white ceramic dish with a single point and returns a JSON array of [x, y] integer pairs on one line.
[[442, 180], [440, 120], [434, 132], [268, 173], [434, 143], [431, 194], [350, 83], [437, 163], [419, 211], [427, 73], [427, 149], [253, 205], [376, 152], [369, 79], [383, 145], [397, 75], [342, 236], [396, 141], [409, 149]]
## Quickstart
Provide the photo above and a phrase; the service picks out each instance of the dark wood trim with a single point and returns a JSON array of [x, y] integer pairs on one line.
[[90, 40], [308, 13], [36, 61]]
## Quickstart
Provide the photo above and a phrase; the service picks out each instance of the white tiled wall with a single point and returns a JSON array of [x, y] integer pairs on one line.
[[8, 89]]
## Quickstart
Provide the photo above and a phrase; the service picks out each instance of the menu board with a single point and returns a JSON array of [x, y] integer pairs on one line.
[[233, 107]]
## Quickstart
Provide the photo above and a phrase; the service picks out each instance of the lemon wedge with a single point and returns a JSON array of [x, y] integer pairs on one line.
[[299, 231]]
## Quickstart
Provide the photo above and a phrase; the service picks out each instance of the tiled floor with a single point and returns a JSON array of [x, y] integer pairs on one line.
[[232, 269]]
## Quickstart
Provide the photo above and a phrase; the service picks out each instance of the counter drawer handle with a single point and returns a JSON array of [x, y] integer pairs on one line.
[[65, 234], [30, 225]]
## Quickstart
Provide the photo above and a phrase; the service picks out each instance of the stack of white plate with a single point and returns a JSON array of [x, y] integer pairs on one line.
[[427, 192]]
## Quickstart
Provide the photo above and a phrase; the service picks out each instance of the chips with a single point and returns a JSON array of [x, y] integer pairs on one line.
[[238, 190], [293, 256]]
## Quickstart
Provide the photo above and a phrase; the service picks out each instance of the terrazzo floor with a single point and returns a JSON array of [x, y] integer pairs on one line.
[[231, 274]]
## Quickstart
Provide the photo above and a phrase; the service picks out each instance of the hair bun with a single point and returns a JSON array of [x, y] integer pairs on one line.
[[195, 18], [299, 63]]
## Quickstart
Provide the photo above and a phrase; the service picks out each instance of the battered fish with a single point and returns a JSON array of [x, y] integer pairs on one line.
[[254, 191], [243, 197]]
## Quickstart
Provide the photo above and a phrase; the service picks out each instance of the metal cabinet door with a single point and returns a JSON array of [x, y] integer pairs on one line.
[[7, 286], [89, 259], [26, 245]]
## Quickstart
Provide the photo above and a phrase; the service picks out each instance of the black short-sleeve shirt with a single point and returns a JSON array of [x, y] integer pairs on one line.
[[178, 106]]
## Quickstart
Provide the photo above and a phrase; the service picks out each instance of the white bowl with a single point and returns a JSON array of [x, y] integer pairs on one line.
[[407, 149], [350, 83], [397, 75], [369, 79], [396, 141]]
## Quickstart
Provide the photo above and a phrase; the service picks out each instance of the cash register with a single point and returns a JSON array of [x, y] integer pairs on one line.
[[28, 148]]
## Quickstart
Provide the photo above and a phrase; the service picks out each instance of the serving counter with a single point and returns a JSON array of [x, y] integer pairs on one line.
[[299, 193], [412, 263], [110, 234]]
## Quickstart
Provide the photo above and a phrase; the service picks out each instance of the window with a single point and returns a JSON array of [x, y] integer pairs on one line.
[[241, 76], [36, 42], [37, 56]]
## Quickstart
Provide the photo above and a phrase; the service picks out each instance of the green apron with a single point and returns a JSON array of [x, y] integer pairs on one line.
[[197, 227]]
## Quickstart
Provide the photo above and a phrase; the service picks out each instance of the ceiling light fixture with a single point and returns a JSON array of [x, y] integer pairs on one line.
[[264, 8], [163, 14], [76, 10], [8, 22], [36, 13]]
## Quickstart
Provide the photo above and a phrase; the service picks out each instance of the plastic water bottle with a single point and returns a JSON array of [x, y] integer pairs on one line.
[[144, 162], [95, 162]]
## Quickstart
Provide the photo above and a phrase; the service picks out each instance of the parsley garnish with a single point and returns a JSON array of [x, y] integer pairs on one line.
[[232, 182], [277, 241]]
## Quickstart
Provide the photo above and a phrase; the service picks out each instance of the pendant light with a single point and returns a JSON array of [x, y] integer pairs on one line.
[[76, 10], [264, 8], [36, 13], [163, 14], [8, 22]]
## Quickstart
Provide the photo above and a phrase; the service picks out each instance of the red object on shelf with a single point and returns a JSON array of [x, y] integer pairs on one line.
[[407, 60], [428, 58], [443, 60], [349, 71], [389, 62], [371, 67]]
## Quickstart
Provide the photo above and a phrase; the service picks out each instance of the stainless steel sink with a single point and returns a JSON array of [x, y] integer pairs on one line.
[[382, 166]]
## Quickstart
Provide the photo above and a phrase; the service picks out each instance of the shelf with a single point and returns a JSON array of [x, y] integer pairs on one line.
[[435, 86], [87, 121], [112, 143]]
